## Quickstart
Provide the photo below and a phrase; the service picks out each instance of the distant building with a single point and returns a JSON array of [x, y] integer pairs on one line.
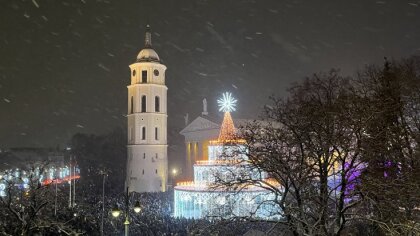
[[46, 165], [197, 136], [24, 157]]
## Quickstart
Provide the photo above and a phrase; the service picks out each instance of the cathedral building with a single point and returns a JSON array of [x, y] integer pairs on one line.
[[147, 160], [198, 134]]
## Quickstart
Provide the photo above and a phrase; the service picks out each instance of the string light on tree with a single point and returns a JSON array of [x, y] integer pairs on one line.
[[227, 103]]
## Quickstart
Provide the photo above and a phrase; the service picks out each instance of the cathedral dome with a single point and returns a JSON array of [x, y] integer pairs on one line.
[[148, 54]]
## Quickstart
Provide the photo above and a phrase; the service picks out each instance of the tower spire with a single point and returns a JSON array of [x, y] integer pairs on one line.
[[148, 38]]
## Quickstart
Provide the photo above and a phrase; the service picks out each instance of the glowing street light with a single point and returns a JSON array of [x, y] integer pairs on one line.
[[137, 207], [174, 174], [116, 211]]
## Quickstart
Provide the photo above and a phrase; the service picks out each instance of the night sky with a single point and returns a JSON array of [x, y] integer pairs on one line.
[[64, 64]]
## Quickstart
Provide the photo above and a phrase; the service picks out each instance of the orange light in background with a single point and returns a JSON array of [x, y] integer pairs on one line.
[[59, 181]]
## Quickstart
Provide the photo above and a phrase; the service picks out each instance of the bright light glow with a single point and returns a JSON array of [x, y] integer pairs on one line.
[[227, 103], [115, 212], [49, 175], [196, 199], [137, 207], [174, 171]]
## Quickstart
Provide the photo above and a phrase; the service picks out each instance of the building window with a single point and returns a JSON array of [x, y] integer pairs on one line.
[[156, 156], [144, 76], [134, 72], [143, 133], [144, 155], [132, 105], [156, 171], [156, 133], [143, 103], [157, 104], [143, 171]]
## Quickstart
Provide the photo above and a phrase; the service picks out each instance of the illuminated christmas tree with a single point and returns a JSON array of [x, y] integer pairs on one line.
[[226, 159]]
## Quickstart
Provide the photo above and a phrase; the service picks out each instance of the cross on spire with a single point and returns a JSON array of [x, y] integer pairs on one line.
[[148, 38]]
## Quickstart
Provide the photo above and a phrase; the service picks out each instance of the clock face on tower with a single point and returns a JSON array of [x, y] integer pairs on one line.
[[156, 72]]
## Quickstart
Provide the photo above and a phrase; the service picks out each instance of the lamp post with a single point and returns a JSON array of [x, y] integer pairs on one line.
[[116, 212], [104, 173]]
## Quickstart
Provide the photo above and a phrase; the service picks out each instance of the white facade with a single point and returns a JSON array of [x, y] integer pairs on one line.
[[147, 161]]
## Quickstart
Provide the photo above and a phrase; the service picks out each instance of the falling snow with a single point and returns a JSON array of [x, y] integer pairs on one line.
[[79, 55]]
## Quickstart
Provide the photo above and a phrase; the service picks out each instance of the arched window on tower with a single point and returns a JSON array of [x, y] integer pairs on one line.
[[143, 103], [143, 133], [132, 105], [156, 133], [144, 76], [157, 104]]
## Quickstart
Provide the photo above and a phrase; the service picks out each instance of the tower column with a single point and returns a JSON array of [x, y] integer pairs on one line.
[[147, 162]]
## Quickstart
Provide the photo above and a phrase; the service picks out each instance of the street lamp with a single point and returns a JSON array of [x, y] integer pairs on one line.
[[104, 174], [116, 212], [174, 173], [137, 207]]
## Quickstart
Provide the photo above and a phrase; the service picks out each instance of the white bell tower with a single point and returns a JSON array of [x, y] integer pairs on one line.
[[147, 160]]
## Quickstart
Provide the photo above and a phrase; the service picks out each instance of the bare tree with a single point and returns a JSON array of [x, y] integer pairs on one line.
[[27, 207], [344, 152], [391, 182], [309, 143]]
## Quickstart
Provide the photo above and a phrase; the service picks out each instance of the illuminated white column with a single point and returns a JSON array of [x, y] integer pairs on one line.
[[147, 161]]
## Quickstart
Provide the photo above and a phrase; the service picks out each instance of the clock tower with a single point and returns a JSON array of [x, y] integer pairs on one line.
[[147, 160]]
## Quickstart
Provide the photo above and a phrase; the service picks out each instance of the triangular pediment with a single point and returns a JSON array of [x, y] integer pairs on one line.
[[200, 123]]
